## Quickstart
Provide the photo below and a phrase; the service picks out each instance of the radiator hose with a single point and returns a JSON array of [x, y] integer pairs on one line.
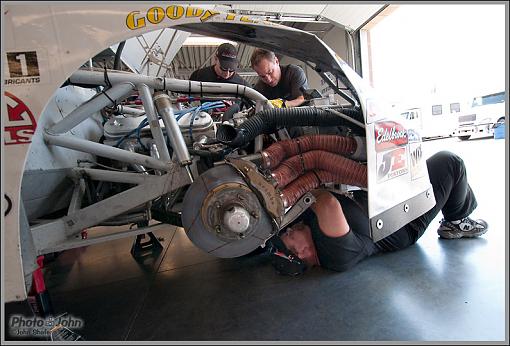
[[269, 120], [309, 181], [343, 170], [346, 146]]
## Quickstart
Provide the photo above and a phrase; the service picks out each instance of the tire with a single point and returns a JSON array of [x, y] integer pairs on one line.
[[464, 138]]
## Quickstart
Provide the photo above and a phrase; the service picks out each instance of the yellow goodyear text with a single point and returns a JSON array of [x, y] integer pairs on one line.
[[155, 15], [231, 17]]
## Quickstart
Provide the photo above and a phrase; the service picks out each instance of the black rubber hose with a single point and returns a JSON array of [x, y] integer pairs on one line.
[[116, 63], [229, 113], [270, 120]]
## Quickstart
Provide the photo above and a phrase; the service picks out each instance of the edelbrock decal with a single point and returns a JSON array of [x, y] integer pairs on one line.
[[388, 135]]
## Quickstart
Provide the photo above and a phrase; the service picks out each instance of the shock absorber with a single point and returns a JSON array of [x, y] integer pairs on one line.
[[164, 107]]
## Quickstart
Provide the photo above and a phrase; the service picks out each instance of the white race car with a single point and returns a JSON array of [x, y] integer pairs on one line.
[[86, 147]]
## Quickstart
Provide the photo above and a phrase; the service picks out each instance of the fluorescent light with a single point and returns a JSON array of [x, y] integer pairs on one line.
[[205, 41]]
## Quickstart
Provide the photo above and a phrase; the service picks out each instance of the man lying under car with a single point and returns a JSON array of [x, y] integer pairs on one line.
[[334, 232]]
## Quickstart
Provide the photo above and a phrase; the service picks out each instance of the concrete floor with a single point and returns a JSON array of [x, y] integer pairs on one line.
[[436, 290]]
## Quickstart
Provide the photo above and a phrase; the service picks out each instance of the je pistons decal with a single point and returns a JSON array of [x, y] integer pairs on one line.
[[388, 135], [392, 164], [20, 123]]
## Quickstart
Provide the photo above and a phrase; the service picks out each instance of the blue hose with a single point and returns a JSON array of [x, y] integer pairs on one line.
[[179, 114]]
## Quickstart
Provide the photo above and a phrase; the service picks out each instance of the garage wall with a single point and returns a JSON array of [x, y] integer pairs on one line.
[[337, 40]]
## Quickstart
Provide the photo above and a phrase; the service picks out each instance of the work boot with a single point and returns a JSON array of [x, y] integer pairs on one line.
[[464, 228]]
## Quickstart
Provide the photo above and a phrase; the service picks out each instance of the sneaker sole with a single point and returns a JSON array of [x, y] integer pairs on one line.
[[448, 234]]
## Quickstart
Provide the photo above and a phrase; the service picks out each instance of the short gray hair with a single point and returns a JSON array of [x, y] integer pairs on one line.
[[259, 54]]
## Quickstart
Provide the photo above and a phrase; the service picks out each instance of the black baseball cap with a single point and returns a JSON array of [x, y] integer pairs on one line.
[[283, 260], [227, 56]]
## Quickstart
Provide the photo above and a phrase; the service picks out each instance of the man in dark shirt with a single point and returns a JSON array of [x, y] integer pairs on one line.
[[278, 82], [334, 233], [224, 68]]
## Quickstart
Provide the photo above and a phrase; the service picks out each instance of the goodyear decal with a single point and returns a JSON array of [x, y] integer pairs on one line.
[[388, 135], [392, 164], [416, 161], [155, 15], [20, 123]]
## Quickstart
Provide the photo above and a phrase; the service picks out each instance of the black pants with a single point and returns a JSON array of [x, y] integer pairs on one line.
[[454, 198], [453, 194]]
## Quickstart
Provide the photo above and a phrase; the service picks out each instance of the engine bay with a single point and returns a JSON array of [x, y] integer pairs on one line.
[[245, 168]]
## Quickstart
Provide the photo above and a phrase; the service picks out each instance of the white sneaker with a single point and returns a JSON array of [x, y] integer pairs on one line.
[[465, 228]]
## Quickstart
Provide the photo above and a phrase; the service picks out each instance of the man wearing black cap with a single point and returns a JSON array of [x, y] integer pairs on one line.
[[334, 232], [224, 68]]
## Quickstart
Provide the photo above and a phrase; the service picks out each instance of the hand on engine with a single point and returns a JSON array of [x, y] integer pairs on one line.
[[278, 103]]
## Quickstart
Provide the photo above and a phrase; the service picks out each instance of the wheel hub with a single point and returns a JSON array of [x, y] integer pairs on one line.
[[222, 216]]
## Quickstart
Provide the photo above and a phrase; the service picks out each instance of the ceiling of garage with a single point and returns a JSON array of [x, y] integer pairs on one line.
[[318, 19], [352, 16]]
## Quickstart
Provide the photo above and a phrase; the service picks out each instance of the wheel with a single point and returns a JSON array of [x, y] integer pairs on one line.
[[464, 138]]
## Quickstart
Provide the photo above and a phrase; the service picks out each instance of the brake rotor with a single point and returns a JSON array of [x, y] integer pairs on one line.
[[222, 216]]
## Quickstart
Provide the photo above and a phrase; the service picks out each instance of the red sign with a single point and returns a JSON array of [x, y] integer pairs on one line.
[[388, 135], [20, 123]]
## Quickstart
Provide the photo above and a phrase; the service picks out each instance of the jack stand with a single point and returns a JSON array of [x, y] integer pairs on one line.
[[142, 249]]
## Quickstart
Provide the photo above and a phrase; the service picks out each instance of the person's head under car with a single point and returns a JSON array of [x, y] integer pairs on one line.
[[226, 61], [311, 239], [267, 66], [298, 240]]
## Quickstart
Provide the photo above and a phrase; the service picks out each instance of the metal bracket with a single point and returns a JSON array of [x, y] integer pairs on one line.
[[283, 134], [57, 233], [267, 192], [299, 208], [78, 192]]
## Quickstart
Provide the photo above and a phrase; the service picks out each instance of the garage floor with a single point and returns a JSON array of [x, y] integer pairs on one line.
[[436, 290]]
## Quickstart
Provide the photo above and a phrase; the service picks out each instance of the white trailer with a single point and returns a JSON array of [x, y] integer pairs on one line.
[[484, 113]]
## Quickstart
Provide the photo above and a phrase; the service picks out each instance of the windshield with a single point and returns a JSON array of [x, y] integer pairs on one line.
[[489, 99]]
